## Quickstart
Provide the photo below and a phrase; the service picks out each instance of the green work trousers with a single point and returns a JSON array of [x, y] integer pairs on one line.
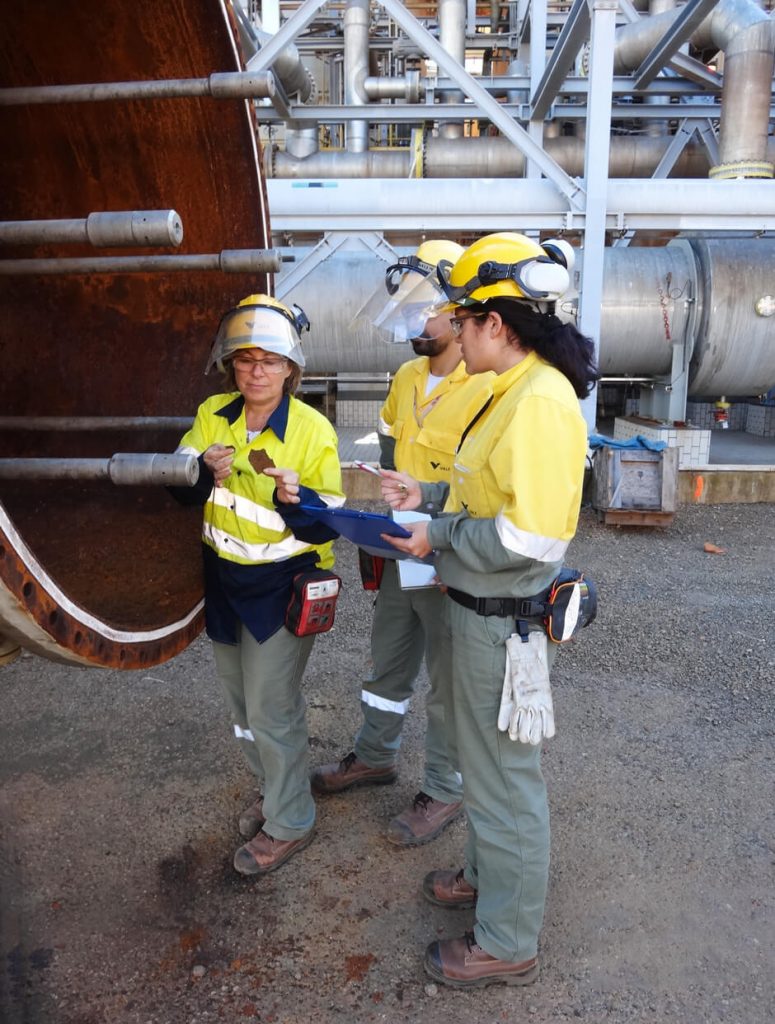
[[262, 685], [507, 851], [407, 625]]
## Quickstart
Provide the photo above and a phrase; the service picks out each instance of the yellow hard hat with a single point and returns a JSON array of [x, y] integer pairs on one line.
[[260, 321], [507, 265], [400, 308]]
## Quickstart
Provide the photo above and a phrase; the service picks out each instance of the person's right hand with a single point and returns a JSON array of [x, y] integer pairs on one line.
[[218, 459], [399, 490]]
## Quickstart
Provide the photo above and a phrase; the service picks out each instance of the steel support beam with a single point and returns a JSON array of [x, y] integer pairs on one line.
[[575, 32], [679, 32], [439, 205], [293, 27], [489, 107], [596, 176]]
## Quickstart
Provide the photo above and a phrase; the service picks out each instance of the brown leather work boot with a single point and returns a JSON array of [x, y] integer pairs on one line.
[[252, 818], [463, 963], [423, 821], [449, 889], [349, 772], [265, 853]]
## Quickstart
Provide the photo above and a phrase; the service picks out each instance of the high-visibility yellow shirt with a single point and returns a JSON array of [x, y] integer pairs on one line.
[[427, 427], [241, 523], [522, 464]]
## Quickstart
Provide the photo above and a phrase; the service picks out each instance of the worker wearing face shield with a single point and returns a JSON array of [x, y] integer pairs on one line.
[[262, 452], [430, 401]]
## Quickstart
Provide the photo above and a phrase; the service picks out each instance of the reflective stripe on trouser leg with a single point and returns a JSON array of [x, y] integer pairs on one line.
[[407, 625], [275, 708], [504, 792], [397, 643], [228, 664]]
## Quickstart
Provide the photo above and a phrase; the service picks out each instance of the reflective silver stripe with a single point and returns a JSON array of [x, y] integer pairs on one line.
[[332, 500], [244, 734], [260, 515], [531, 545], [186, 449], [398, 707], [385, 428], [267, 552]]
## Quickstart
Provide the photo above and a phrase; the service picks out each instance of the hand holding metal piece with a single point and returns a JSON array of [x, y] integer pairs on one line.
[[287, 485], [526, 703], [218, 459], [400, 491]]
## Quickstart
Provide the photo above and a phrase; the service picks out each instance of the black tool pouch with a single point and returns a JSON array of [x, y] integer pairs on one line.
[[570, 605], [371, 568], [312, 606]]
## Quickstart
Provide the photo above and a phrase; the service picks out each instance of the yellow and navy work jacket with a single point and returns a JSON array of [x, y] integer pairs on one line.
[[515, 489], [419, 433], [254, 545]]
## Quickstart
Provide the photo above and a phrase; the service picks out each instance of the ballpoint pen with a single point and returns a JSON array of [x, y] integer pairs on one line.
[[375, 472]]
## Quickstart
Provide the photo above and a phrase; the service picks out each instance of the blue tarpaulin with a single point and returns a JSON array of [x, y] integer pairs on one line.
[[639, 441]]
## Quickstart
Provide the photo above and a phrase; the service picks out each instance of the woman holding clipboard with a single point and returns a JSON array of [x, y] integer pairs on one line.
[[509, 512]]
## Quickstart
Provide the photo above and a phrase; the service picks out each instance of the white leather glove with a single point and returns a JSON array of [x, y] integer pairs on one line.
[[526, 703]]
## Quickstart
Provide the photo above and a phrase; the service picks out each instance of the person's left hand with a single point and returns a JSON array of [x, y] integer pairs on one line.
[[417, 545], [287, 483]]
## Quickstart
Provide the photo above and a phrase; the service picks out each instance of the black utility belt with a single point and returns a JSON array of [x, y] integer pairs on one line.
[[505, 607]]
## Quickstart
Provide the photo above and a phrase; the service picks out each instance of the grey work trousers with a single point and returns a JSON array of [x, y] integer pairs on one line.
[[504, 793], [262, 685], [407, 625]]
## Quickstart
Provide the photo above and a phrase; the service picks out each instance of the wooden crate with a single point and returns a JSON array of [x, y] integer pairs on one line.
[[629, 483]]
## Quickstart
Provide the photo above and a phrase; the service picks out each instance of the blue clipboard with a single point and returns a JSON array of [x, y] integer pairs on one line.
[[362, 528]]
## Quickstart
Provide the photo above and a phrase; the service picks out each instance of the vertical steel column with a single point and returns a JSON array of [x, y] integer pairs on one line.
[[601, 73], [356, 70], [535, 129]]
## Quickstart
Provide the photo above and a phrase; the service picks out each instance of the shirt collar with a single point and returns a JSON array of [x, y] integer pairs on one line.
[[278, 421]]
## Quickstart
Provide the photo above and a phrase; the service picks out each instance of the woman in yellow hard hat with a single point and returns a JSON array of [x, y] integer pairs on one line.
[[262, 452], [509, 512]]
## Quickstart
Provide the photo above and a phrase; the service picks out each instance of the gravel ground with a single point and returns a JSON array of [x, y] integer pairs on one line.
[[121, 791]]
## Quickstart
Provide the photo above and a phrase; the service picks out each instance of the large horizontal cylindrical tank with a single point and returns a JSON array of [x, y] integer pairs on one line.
[[734, 352], [696, 292], [91, 573]]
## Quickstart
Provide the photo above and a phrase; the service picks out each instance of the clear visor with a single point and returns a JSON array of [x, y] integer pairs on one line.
[[255, 327], [402, 315]]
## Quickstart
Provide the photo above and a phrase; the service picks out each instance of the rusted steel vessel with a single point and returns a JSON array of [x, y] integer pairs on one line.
[[91, 573]]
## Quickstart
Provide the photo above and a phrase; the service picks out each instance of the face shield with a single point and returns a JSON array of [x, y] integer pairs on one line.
[[261, 327], [401, 306]]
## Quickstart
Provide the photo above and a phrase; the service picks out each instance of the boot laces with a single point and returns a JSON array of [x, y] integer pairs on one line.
[[421, 801], [347, 761], [470, 941]]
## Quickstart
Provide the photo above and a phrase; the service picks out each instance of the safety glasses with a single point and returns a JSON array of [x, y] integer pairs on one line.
[[456, 322]]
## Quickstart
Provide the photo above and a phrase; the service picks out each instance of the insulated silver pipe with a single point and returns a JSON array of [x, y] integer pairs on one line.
[[487, 157], [407, 87], [356, 70], [746, 36], [226, 85], [301, 142], [124, 228], [229, 261], [293, 76], [749, 60], [125, 469], [389, 163], [452, 36]]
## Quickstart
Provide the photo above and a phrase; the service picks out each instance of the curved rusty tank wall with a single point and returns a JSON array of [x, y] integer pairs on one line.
[[89, 572]]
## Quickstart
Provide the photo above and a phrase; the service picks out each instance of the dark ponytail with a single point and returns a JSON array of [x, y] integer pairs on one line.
[[557, 343]]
